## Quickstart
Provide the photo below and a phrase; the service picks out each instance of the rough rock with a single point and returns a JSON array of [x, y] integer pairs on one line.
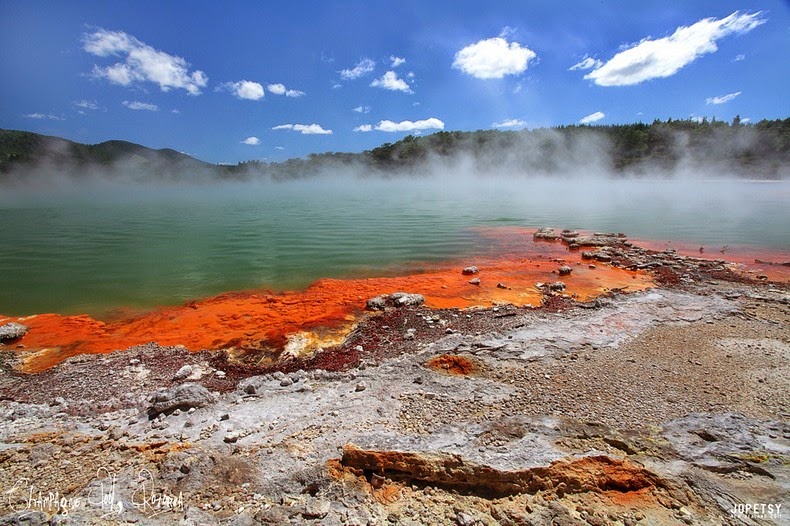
[[183, 373], [565, 270], [468, 271], [184, 397], [12, 331], [474, 281], [396, 299]]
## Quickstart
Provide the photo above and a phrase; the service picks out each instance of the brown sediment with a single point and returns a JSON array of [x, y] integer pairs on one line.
[[453, 364], [267, 324]]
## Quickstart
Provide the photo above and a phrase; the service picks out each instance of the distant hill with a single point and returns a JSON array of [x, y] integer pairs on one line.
[[24, 153], [662, 148]]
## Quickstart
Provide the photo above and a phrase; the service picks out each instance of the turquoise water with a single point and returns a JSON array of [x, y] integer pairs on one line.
[[100, 249]]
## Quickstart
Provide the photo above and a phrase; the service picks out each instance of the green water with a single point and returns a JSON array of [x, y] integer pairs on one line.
[[99, 249]]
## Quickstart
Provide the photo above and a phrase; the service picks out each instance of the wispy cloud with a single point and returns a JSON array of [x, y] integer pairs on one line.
[[362, 109], [586, 63], [663, 57], [722, 99], [86, 104], [244, 89], [136, 105], [739, 58], [493, 58], [304, 129], [252, 141], [141, 63], [403, 126], [43, 116], [593, 117], [396, 61], [392, 82], [510, 123], [362, 68]]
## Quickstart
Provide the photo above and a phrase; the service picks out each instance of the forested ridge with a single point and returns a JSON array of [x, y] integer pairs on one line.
[[759, 149]]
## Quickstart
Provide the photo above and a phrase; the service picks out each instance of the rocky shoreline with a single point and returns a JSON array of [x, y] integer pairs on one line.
[[665, 406]]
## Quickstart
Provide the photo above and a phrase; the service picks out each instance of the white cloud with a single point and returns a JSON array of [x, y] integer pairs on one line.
[[141, 63], [738, 58], [666, 56], [586, 63], [391, 82], [362, 109], [722, 98], [245, 89], [593, 117], [86, 104], [493, 58], [136, 105], [41, 116], [252, 141], [363, 128], [279, 89], [746, 120], [510, 123], [396, 61], [279, 148], [404, 126], [362, 68], [304, 129]]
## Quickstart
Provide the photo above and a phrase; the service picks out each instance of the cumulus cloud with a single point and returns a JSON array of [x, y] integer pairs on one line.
[[41, 116], [510, 123], [141, 63], [396, 61], [304, 129], [593, 117], [362, 109], [136, 105], [245, 89], [362, 68], [279, 89], [403, 126], [664, 57], [252, 141], [391, 81], [493, 58], [722, 98], [586, 63]]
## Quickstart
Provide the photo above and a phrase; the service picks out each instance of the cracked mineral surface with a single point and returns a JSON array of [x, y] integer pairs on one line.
[[661, 406]]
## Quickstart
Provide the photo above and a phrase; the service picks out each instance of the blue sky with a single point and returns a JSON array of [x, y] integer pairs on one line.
[[234, 81]]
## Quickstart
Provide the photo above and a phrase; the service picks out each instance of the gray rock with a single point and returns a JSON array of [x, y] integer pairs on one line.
[[557, 286], [183, 373], [184, 397], [474, 281], [468, 271], [12, 331], [565, 270], [361, 386], [377, 303], [404, 299]]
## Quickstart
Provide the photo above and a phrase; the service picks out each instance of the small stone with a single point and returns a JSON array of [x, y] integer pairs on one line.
[[12, 331], [285, 382], [468, 271], [474, 281], [361, 386], [501, 286], [220, 374], [565, 270], [183, 373]]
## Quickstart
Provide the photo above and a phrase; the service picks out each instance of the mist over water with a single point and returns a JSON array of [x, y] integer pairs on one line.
[[106, 247]]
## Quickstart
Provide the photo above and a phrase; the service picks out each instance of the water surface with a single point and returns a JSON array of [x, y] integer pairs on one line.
[[99, 249]]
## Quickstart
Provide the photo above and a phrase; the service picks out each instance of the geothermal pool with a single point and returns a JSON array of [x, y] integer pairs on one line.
[[104, 250]]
